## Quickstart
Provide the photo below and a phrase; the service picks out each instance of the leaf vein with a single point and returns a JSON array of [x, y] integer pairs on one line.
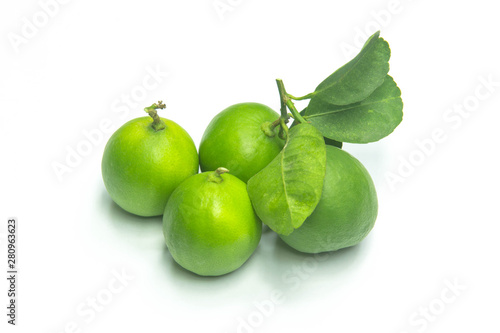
[[352, 107]]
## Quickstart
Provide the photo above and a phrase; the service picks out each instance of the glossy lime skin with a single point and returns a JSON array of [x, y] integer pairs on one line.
[[234, 140], [347, 209], [210, 228], [141, 167]]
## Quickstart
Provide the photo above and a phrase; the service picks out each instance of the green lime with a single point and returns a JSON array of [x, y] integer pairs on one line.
[[209, 224], [347, 209], [145, 160], [241, 139]]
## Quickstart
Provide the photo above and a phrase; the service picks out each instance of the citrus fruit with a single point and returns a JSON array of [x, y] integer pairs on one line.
[[145, 160], [242, 139], [209, 224], [346, 211]]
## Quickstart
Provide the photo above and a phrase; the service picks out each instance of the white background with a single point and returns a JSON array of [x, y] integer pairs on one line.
[[437, 226]]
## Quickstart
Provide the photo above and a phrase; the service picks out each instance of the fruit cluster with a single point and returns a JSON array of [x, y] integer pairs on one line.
[[257, 169]]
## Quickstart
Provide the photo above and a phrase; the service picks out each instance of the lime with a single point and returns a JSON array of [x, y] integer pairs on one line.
[[209, 224], [242, 139], [145, 160], [346, 211]]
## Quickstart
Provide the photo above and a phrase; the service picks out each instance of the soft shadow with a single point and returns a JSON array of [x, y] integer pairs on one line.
[[130, 228], [266, 229], [282, 263], [120, 218]]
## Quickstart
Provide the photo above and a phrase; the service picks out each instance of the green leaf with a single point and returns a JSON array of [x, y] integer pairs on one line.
[[357, 79], [296, 122], [328, 141], [366, 121], [288, 190]]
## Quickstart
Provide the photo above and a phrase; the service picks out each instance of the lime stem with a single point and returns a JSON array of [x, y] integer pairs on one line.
[[268, 127], [295, 113], [215, 177], [287, 102], [308, 96], [276, 123], [283, 98], [157, 124], [283, 130]]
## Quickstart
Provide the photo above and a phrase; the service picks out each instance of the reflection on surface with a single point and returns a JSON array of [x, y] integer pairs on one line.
[[273, 266], [133, 229]]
